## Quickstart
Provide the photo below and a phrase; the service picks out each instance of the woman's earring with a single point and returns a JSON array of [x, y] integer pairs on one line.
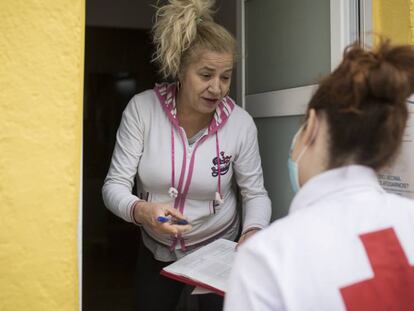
[[178, 85]]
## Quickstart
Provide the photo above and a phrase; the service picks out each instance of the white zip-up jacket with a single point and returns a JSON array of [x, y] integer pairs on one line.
[[345, 245], [151, 144]]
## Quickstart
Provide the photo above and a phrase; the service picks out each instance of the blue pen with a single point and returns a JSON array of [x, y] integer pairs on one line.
[[163, 219], [181, 222]]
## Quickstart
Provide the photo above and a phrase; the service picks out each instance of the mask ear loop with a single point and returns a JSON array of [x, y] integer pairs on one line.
[[295, 138], [316, 130], [312, 139]]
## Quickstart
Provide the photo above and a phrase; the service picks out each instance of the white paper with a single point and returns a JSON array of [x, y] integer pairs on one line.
[[201, 291], [399, 178], [210, 264]]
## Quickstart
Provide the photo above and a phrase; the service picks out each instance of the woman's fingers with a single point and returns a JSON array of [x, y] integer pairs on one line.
[[245, 237], [175, 213], [169, 218], [173, 229]]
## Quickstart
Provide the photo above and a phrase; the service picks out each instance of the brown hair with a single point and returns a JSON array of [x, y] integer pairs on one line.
[[182, 29], [364, 101]]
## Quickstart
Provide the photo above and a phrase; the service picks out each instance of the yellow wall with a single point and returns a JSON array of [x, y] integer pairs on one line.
[[394, 19], [41, 78]]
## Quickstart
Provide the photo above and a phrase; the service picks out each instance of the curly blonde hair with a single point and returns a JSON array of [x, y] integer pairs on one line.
[[184, 27]]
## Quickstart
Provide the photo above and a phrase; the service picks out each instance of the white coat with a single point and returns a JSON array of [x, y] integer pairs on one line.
[[345, 245]]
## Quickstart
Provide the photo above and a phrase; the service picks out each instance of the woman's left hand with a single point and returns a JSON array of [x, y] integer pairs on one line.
[[245, 236]]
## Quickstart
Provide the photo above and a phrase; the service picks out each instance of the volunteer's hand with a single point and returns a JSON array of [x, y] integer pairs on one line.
[[245, 236], [147, 213]]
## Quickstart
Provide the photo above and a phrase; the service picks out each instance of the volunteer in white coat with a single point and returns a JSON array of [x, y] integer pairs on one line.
[[346, 243], [188, 144]]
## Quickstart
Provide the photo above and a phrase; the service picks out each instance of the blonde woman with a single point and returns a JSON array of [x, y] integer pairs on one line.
[[186, 143]]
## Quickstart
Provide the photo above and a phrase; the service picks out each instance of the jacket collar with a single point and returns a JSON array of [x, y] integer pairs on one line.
[[335, 181], [166, 93]]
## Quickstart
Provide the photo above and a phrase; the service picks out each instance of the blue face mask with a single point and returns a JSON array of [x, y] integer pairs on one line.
[[293, 166]]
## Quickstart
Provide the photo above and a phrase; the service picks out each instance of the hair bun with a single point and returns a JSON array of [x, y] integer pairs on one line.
[[364, 100], [388, 84], [381, 74], [396, 65], [175, 29], [199, 10]]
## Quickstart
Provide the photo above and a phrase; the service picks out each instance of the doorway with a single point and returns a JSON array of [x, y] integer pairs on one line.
[[118, 52], [120, 69]]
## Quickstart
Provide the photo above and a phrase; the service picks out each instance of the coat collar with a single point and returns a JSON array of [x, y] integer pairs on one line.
[[335, 181], [166, 93]]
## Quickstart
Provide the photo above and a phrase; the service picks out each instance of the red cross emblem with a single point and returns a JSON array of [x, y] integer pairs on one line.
[[392, 287]]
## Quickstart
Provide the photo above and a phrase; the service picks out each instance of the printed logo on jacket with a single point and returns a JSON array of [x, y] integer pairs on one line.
[[224, 164]]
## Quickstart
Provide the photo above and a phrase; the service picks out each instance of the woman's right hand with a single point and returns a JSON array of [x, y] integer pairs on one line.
[[147, 213]]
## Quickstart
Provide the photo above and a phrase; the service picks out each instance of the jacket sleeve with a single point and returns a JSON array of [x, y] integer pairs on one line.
[[252, 285], [117, 188], [249, 177]]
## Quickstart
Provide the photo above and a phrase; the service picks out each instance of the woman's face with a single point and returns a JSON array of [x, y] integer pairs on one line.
[[205, 82]]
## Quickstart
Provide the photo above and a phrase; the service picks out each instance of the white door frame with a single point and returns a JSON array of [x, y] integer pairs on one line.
[[80, 229]]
